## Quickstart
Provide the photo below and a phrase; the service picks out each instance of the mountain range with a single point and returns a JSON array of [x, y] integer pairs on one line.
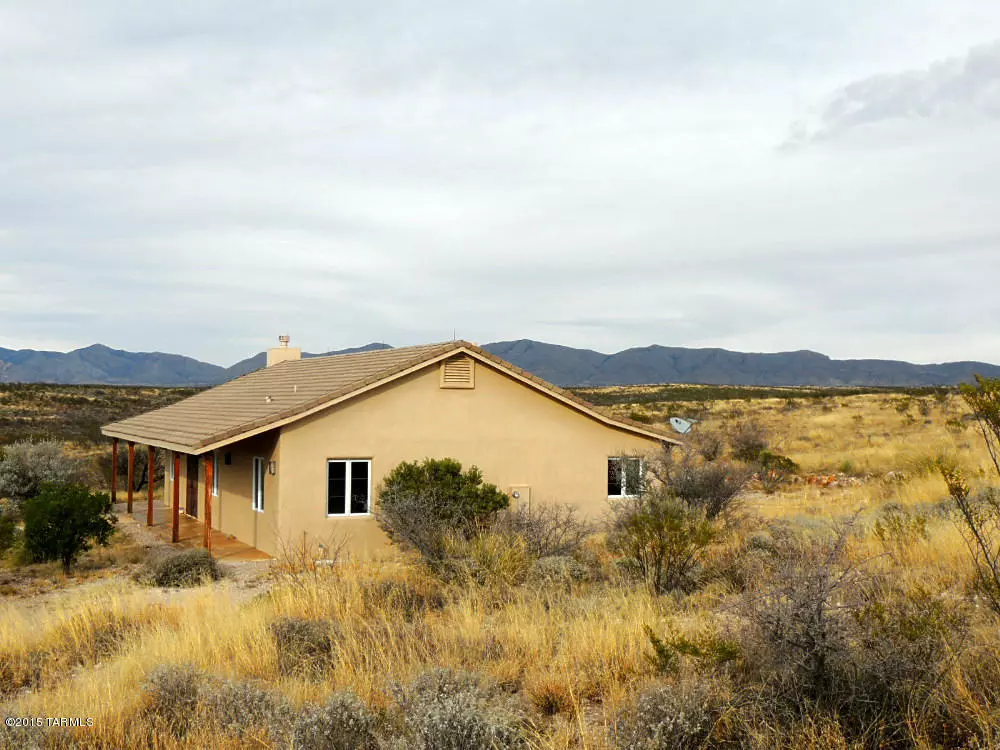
[[561, 365]]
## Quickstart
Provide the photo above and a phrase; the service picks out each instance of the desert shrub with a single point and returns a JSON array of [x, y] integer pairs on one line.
[[748, 563], [447, 710], [486, 559], [901, 650], [898, 529], [748, 440], [662, 539], [420, 504], [407, 597], [342, 723], [802, 627], [172, 692], [679, 716], [557, 570], [712, 487], [189, 568], [305, 647], [828, 639], [25, 738], [63, 521], [26, 466], [548, 529], [774, 469], [709, 649], [240, 708], [708, 444], [979, 515]]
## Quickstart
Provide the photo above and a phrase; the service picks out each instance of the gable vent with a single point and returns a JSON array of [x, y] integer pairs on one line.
[[458, 372]]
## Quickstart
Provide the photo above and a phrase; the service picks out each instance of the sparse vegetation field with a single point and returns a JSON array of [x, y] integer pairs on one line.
[[837, 607]]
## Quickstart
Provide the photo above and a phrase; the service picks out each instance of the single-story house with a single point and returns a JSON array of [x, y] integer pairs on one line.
[[295, 451]]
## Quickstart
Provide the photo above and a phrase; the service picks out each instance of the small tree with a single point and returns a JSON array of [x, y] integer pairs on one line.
[[26, 466], [420, 504], [63, 521]]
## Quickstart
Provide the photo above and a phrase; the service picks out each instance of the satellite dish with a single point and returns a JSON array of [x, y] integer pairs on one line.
[[683, 426]]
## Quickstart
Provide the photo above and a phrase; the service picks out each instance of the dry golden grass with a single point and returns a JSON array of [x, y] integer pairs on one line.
[[576, 657]]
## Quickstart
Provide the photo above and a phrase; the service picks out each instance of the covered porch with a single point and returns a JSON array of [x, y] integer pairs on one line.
[[191, 533], [176, 522]]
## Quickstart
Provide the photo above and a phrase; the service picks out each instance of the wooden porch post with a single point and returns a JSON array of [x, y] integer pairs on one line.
[[209, 476], [131, 472], [150, 482], [175, 533], [114, 470]]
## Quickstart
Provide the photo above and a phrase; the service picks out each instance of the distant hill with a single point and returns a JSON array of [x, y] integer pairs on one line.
[[561, 365], [101, 364], [666, 364]]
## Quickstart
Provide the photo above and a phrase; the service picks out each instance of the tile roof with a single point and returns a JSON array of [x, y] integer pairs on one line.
[[294, 388]]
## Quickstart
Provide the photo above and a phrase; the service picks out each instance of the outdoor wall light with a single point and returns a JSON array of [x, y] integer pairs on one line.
[[272, 467], [516, 494]]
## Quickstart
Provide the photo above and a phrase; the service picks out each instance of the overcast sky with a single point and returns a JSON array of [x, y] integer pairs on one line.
[[200, 176]]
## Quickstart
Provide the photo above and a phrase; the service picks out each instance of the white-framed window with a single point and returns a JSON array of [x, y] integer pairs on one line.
[[259, 473], [624, 476], [348, 486], [215, 474]]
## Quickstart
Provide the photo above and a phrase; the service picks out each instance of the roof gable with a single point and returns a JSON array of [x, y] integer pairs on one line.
[[277, 395]]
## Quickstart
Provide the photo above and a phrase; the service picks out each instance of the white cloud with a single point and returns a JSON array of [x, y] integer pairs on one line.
[[201, 178]]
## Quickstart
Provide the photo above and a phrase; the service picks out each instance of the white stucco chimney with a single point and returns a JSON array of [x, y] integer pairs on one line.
[[283, 352]]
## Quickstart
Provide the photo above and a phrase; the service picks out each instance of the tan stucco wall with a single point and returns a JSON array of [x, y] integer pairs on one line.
[[232, 509], [516, 435]]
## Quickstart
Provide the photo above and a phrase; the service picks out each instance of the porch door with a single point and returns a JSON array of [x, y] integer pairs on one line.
[[191, 502]]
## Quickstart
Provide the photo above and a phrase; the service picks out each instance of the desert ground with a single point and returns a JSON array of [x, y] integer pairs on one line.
[[557, 662]]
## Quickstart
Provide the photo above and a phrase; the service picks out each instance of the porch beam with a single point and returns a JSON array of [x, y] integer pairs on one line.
[[131, 472], [209, 476], [114, 470], [150, 481], [175, 531]]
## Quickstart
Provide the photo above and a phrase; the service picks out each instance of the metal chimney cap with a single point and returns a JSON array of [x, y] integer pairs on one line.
[[283, 339]]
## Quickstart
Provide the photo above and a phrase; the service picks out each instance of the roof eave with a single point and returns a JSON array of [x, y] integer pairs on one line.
[[281, 419]]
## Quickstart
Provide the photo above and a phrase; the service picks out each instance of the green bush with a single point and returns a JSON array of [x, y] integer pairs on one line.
[[189, 568], [63, 521], [421, 504]]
